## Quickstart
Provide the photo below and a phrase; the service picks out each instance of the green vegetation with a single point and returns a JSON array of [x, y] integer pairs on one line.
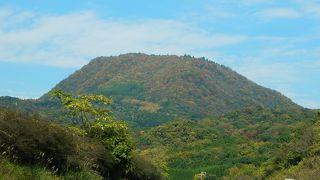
[[181, 116], [298, 158], [97, 123], [178, 86], [28, 142], [10, 170], [99, 145], [247, 138]]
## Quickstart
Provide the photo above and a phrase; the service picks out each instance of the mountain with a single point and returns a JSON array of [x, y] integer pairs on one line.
[[148, 90], [193, 115]]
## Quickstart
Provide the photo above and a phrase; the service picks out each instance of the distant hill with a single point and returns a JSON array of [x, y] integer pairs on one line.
[[148, 90], [252, 136]]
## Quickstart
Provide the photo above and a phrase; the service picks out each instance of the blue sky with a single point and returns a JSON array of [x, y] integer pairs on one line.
[[274, 43]]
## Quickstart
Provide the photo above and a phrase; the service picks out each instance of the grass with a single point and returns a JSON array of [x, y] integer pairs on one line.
[[9, 170], [185, 174]]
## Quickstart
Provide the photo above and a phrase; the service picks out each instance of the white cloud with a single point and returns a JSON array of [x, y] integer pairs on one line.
[[274, 13], [265, 72], [289, 70], [72, 39], [255, 2], [310, 8]]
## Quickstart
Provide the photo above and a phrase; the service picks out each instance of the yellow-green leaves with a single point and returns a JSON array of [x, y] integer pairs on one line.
[[84, 107], [97, 123], [115, 136]]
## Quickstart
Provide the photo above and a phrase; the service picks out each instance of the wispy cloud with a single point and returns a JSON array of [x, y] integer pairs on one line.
[[289, 70], [293, 9], [72, 39], [310, 8], [279, 12], [255, 2]]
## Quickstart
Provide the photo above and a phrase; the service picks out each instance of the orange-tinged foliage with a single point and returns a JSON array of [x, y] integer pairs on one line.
[[169, 86]]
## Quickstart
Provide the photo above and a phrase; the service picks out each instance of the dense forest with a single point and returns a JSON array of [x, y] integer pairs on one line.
[[148, 90], [138, 116], [238, 144]]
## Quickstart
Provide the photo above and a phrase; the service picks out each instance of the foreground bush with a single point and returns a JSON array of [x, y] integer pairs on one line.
[[143, 169], [29, 140]]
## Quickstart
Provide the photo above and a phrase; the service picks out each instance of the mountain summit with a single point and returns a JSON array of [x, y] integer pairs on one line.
[[151, 89]]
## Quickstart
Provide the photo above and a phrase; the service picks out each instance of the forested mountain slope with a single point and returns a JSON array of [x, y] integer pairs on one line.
[[148, 90]]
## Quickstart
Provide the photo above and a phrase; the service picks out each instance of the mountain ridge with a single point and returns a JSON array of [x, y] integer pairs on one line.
[[152, 89]]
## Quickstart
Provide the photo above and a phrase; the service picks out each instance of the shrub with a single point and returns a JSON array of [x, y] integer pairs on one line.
[[143, 169], [27, 139], [94, 156]]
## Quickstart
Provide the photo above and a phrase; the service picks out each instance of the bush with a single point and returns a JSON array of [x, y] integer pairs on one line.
[[143, 169], [94, 156], [29, 140]]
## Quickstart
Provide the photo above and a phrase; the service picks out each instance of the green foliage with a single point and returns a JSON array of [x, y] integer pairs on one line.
[[247, 139], [83, 106], [296, 158], [30, 140], [158, 158], [230, 125], [93, 155], [52, 151], [129, 89], [177, 132], [47, 150], [10, 170], [245, 172], [182, 86], [308, 168], [113, 135], [143, 169]]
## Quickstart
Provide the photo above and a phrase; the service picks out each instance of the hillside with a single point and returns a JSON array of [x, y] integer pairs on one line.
[[148, 90], [217, 145]]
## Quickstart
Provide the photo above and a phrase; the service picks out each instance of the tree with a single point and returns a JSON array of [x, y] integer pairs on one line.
[[98, 123], [84, 107]]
